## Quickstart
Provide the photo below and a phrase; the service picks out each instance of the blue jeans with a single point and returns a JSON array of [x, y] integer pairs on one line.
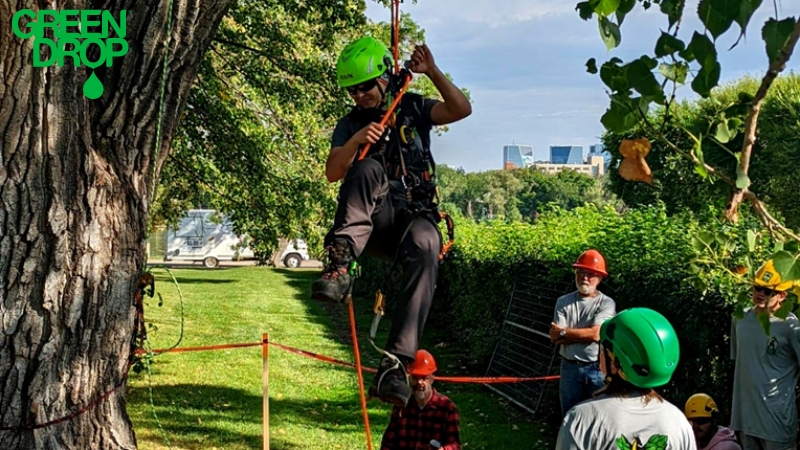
[[578, 383]]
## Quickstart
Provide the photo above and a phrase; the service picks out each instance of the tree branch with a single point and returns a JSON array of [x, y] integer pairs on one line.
[[751, 123], [767, 219], [257, 51]]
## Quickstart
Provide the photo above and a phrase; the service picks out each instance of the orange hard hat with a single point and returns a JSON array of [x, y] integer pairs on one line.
[[591, 260], [423, 364]]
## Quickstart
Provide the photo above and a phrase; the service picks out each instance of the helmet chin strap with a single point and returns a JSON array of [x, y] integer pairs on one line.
[[608, 363]]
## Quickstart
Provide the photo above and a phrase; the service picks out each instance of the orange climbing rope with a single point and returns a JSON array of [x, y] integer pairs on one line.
[[396, 35], [388, 114], [396, 54], [360, 375]]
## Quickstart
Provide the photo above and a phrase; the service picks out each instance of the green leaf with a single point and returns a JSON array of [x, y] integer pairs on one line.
[[763, 319], [609, 32], [698, 246], [699, 284], [706, 237], [591, 66], [698, 151], [742, 180], [613, 76], [585, 10], [676, 72], [718, 15], [746, 10], [625, 6], [745, 98], [619, 117], [787, 265], [751, 241], [687, 54], [623, 444], [668, 44], [723, 134], [706, 79], [778, 247], [703, 50], [787, 307], [776, 35], [673, 9], [641, 78], [604, 7], [656, 442]]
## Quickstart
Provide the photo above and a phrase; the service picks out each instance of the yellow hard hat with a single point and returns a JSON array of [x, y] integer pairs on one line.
[[767, 276], [700, 405]]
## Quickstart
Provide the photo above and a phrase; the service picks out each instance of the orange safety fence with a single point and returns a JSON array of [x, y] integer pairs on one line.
[[297, 351], [338, 362]]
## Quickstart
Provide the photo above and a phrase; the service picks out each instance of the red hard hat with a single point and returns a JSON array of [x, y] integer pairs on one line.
[[591, 260], [423, 364]]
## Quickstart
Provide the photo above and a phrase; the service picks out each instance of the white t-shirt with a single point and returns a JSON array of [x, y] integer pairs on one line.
[[613, 423]]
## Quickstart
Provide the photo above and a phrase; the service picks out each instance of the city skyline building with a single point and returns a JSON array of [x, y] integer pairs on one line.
[[566, 154], [517, 156]]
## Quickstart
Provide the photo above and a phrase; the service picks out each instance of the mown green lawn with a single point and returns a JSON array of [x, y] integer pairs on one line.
[[212, 400]]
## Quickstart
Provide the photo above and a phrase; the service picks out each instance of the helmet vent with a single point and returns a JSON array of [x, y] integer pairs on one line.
[[641, 369]]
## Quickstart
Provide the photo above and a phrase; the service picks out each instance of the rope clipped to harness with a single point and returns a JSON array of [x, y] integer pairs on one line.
[[389, 112]]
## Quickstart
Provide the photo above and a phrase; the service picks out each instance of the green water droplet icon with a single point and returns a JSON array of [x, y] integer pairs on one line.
[[93, 88]]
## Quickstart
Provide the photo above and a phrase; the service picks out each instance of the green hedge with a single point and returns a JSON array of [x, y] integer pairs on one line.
[[647, 253]]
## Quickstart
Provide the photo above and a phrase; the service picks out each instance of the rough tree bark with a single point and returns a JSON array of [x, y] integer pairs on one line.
[[75, 178]]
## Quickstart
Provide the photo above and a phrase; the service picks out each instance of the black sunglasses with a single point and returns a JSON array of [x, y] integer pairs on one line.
[[765, 290], [363, 87], [701, 420]]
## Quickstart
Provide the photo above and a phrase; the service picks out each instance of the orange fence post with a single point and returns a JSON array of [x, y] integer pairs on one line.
[[265, 385]]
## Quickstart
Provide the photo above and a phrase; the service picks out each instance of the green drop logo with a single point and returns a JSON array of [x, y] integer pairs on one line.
[[93, 88]]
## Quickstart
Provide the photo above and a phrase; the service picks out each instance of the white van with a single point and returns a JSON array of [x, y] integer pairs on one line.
[[206, 235]]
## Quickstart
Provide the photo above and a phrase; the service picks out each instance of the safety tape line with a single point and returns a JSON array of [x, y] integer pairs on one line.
[[328, 359]]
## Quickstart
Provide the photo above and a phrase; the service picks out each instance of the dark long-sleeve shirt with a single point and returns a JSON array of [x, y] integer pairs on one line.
[[412, 428]]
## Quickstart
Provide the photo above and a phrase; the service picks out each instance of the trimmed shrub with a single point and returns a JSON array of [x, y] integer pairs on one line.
[[647, 252]]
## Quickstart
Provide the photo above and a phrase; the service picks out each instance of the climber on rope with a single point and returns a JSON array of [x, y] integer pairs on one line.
[[387, 202]]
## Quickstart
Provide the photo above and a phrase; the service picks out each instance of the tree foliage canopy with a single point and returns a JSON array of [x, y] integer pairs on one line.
[[256, 133], [721, 143]]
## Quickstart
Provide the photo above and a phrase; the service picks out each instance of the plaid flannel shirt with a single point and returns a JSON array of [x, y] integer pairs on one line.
[[413, 427]]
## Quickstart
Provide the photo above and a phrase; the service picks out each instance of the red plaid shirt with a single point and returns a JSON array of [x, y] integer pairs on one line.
[[413, 428]]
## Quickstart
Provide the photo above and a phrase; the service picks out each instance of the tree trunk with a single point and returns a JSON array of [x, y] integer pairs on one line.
[[75, 179]]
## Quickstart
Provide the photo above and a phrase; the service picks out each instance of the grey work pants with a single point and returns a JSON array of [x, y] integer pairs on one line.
[[373, 220]]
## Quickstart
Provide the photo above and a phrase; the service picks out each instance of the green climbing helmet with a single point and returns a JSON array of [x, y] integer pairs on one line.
[[362, 60], [644, 343]]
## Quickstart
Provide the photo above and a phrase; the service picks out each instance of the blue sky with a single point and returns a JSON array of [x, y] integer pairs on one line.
[[524, 64]]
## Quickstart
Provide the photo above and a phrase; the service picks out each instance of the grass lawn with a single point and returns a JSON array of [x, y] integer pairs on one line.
[[212, 400]]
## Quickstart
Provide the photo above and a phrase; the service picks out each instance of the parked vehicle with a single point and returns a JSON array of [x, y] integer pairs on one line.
[[295, 253], [206, 235]]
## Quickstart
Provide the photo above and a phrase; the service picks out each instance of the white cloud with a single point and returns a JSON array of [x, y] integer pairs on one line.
[[492, 13], [523, 61]]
